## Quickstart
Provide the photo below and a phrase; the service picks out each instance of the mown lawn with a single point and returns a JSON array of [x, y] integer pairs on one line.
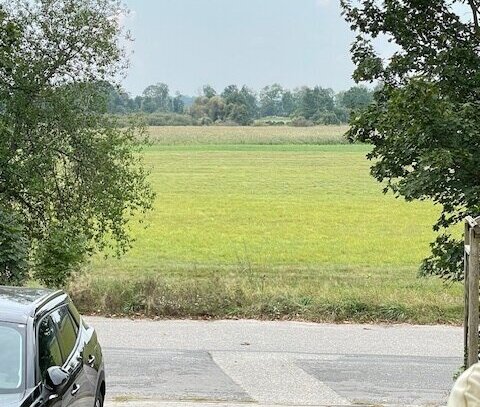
[[273, 231]]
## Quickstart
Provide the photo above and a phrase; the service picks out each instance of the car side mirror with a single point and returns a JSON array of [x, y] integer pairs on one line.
[[55, 378]]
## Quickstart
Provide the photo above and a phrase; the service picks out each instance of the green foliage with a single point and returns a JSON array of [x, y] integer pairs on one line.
[[157, 98], [154, 119], [271, 100], [313, 103], [209, 91], [446, 260], [262, 294], [13, 249], [300, 121], [178, 104], [65, 165], [168, 119], [356, 98], [238, 113], [241, 106], [327, 118], [60, 253], [423, 123]]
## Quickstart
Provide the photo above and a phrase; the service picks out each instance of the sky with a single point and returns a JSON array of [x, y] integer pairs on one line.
[[189, 43]]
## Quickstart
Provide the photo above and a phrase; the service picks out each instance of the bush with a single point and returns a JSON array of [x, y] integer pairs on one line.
[[300, 121], [169, 119], [156, 119], [272, 121], [205, 121], [13, 249], [61, 254], [326, 118]]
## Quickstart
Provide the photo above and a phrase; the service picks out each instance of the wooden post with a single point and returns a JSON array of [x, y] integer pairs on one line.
[[466, 254], [473, 300]]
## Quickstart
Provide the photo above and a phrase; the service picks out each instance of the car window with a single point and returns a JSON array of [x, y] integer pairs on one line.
[[49, 353], [74, 313], [12, 351], [67, 331]]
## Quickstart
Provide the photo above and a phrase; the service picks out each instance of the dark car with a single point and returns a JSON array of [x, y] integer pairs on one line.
[[49, 356]]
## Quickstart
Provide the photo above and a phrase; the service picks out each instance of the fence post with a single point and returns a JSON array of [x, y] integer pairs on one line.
[[466, 254], [473, 296]]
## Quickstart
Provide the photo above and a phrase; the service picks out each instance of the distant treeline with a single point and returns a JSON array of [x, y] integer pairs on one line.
[[273, 105]]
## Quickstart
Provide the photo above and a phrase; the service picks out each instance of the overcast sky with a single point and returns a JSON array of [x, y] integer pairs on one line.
[[188, 43]]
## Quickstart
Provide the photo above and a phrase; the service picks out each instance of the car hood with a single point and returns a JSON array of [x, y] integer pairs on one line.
[[10, 400]]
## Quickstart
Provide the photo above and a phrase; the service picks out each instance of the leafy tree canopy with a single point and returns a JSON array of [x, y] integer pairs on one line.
[[70, 179], [424, 124], [356, 98]]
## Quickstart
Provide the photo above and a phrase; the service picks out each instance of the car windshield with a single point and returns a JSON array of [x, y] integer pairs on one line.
[[12, 345]]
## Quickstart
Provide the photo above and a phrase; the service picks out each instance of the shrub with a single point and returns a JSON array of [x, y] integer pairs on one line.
[[60, 255], [300, 121], [205, 121], [156, 119], [326, 118], [169, 119], [13, 249]]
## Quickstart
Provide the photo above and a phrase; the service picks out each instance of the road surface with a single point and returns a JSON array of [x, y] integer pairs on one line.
[[253, 363]]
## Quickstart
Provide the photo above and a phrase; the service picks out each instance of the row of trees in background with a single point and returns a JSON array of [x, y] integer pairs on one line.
[[240, 105]]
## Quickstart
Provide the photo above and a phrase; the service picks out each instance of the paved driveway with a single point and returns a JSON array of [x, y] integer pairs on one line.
[[243, 363]]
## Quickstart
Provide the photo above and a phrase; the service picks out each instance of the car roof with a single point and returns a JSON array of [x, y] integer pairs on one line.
[[17, 304]]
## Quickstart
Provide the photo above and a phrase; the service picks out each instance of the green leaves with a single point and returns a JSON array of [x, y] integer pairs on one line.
[[446, 260], [68, 173], [424, 124], [62, 252], [13, 249]]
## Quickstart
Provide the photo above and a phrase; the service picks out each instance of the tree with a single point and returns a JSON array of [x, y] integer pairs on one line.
[[157, 98], [199, 109], [289, 103], [424, 123], [14, 249], [216, 108], [209, 91], [314, 103], [178, 105], [212, 108], [240, 104], [271, 100], [239, 114], [356, 98], [231, 94], [250, 102], [70, 178], [118, 100]]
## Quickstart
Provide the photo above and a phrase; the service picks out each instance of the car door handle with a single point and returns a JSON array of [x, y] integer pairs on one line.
[[75, 389], [91, 360]]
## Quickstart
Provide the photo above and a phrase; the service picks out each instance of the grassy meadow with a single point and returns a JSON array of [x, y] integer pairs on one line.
[[271, 222], [256, 135]]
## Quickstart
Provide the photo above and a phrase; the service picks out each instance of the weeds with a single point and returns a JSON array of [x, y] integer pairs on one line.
[[263, 295]]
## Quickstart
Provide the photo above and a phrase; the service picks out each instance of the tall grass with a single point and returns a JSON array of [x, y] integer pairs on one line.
[[326, 294], [175, 135]]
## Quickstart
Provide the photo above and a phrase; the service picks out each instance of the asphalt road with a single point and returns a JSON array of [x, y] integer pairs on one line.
[[243, 363]]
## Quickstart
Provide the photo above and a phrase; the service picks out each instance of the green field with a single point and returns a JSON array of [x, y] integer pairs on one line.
[[272, 230]]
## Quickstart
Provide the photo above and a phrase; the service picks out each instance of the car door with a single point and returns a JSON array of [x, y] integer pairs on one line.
[[49, 354], [78, 391], [92, 353]]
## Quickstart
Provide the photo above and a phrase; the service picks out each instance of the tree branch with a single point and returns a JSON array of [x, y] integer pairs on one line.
[[475, 11]]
